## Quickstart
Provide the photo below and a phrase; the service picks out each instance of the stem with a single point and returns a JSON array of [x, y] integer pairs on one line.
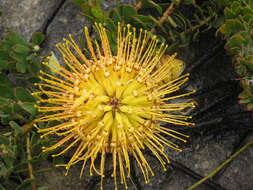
[[29, 158], [213, 173], [207, 20], [167, 13], [138, 5], [28, 126]]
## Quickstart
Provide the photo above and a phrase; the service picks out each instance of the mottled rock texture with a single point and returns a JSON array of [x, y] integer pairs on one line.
[[25, 16]]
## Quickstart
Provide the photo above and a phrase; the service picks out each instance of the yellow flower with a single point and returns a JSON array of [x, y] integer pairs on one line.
[[113, 103]]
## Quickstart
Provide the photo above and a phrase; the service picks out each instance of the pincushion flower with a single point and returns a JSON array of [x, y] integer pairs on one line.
[[113, 104]]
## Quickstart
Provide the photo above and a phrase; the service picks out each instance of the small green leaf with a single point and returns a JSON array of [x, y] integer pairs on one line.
[[4, 101], [4, 140], [23, 95], [34, 68], [189, 2], [2, 187], [244, 95], [229, 14], [235, 7], [97, 12], [21, 67], [4, 80], [152, 5], [23, 49], [115, 15], [145, 21], [29, 107], [3, 64], [24, 185], [18, 129], [126, 12], [232, 26], [250, 106], [15, 38], [38, 38], [6, 91]]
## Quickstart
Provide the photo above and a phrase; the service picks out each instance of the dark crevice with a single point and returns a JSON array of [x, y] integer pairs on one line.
[[92, 183], [97, 179], [214, 51], [210, 183], [236, 147], [181, 167], [51, 17], [134, 177]]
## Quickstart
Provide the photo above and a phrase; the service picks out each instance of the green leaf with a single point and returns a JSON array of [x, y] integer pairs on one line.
[[23, 95], [4, 101], [97, 12], [115, 15], [25, 184], [4, 140], [146, 21], [18, 129], [232, 26], [151, 4], [250, 106], [3, 64], [23, 49], [229, 14], [21, 67], [29, 107], [15, 38], [218, 22], [244, 95], [127, 11], [17, 56], [34, 68], [189, 2], [38, 38], [250, 66], [6, 91], [235, 7], [4, 80], [2, 187], [235, 42]]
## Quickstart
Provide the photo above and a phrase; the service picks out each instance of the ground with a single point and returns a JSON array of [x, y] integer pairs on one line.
[[222, 125]]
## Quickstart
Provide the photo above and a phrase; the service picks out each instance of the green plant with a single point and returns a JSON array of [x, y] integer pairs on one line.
[[166, 20], [19, 67], [237, 30]]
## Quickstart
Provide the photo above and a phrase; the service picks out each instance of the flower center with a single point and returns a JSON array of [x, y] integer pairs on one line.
[[114, 102]]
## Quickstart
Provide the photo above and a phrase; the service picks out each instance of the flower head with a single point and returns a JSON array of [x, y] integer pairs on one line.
[[113, 103]]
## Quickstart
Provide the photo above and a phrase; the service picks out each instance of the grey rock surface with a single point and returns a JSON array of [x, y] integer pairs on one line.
[[25, 16], [69, 20]]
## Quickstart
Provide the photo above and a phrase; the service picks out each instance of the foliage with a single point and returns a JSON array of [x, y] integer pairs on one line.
[[237, 30], [170, 21], [14, 173], [19, 66], [19, 60]]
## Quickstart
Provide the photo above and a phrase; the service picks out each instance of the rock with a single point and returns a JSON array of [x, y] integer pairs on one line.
[[26, 16], [239, 173], [69, 20]]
